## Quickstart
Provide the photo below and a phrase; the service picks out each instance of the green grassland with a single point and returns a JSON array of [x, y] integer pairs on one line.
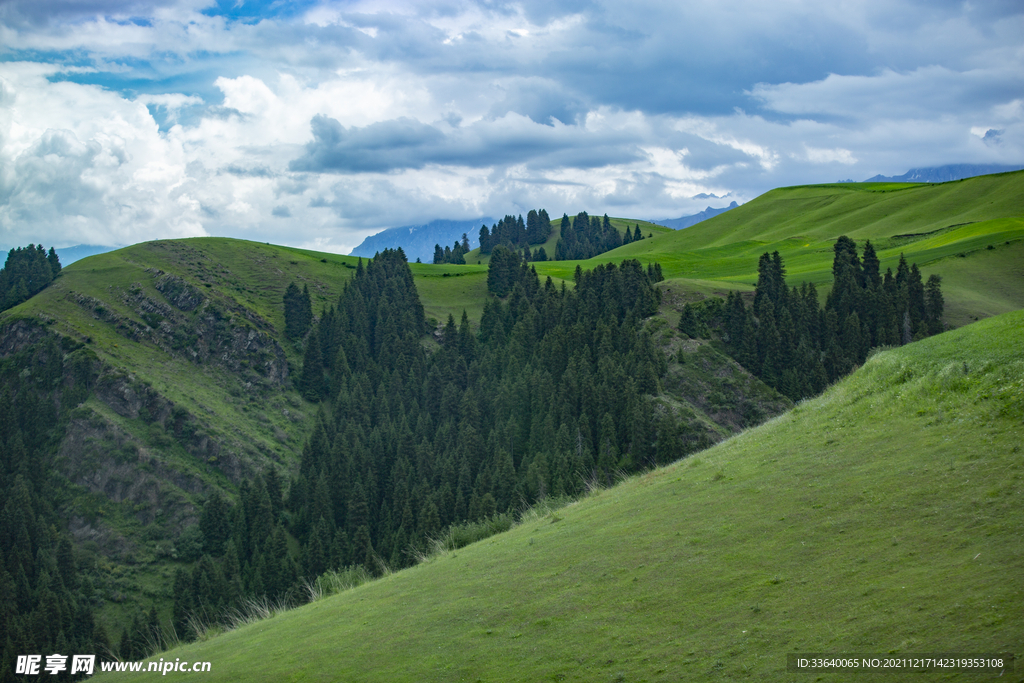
[[884, 516], [942, 227]]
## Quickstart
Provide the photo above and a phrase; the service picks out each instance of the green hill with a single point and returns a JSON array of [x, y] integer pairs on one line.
[[882, 517], [192, 389], [969, 231], [191, 381]]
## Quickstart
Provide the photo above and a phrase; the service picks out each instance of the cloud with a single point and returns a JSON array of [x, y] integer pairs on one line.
[[315, 122], [918, 94], [384, 146], [406, 143]]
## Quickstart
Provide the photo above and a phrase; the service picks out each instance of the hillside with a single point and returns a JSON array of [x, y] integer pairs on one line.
[[180, 382], [882, 517], [970, 231], [190, 388]]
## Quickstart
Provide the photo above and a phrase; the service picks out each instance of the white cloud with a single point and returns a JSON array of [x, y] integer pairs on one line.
[[201, 124], [817, 155]]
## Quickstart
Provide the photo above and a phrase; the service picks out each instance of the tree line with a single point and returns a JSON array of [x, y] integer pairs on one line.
[[454, 254], [798, 347], [580, 238], [25, 273], [587, 236], [514, 233]]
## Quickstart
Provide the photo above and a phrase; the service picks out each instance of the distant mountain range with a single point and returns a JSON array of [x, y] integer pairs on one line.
[[687, 221], [418, 240], [69, 255], [943, 174]]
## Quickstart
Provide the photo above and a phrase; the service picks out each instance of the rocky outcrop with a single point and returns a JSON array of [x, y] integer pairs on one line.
[[184, 296], [19, 334]]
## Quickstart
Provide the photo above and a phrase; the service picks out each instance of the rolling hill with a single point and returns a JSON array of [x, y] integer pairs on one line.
[[881, 517], [193, 379], [970, 231], [192, 390]]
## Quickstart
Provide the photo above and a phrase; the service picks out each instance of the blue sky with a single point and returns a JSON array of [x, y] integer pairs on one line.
[[316, 123]]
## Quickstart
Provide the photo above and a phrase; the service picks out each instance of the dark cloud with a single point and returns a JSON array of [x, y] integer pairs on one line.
[[993, 136], [21, 12], [384, 146], [408, 144]]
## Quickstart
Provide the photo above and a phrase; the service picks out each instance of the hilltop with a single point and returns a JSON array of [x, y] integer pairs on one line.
[[971, 232], [883, 516]]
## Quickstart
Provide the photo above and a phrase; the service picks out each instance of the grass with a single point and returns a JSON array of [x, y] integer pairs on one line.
[[971, 232], [946, 228], [884, 516]]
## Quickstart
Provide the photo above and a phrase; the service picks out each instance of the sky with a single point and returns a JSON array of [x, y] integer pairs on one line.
[[317, 123]]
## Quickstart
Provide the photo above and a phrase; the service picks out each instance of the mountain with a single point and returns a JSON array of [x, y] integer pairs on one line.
[[69, 255], [942, 174], [880, 517], [417, 241], [687, 221]]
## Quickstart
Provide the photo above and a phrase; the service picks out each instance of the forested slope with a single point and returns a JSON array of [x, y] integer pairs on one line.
[[883, 516]]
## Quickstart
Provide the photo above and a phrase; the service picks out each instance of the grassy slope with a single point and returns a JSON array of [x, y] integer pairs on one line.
[[234, 273], [253, 424], [946, 228], [883, 516]]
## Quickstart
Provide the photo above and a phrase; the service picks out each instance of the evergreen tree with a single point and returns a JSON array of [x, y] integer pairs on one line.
[[311, 383], [298, 313], [934, 303], [214, 523], [26, 272], [485, 242]]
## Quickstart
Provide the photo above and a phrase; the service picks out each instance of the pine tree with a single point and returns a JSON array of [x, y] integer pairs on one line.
[[297, 311], [934, 303], [311, 382], [214, 523]]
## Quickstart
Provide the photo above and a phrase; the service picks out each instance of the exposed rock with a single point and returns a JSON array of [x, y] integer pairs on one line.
[[183, 295]]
